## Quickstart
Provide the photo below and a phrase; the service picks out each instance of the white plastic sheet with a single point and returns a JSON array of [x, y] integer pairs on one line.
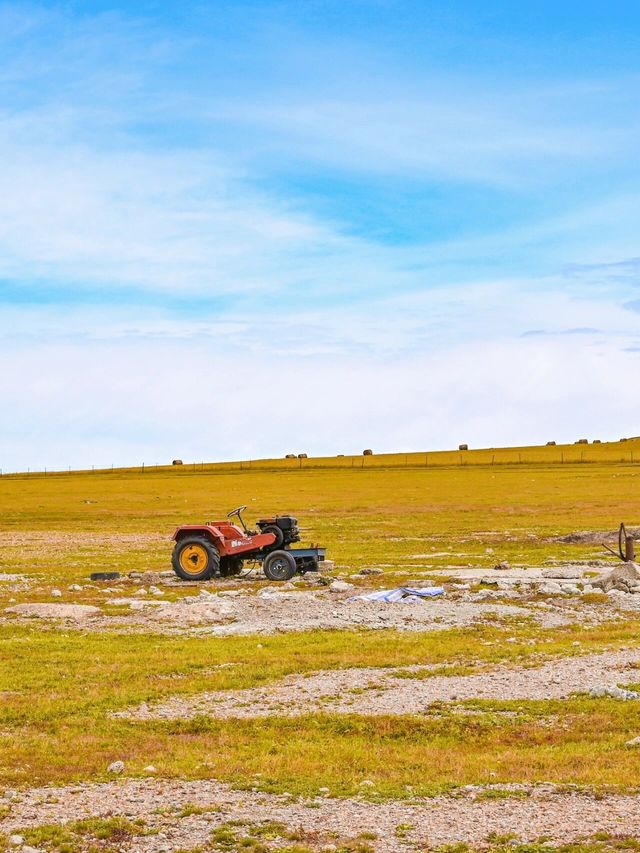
[[404, 594]]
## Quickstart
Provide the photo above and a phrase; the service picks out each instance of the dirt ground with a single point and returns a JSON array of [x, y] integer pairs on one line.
[[171, 809], [181, 815], [381, 691]]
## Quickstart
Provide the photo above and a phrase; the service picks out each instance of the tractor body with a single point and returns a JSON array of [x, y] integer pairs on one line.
[[219, 548]]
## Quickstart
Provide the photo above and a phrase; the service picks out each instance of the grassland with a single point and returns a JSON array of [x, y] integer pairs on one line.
[[60, 686]]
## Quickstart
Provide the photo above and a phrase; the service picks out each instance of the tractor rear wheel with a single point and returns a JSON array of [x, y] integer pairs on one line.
[[279, 566], [195, 559]]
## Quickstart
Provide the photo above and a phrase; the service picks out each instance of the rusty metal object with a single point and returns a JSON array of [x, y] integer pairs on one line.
[[626, 546]]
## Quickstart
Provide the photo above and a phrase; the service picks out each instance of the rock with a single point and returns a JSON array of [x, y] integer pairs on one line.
[[370, 570], [153, 590], [635, 741], [561, 573], [55, 611], [550, 588], [570, 589], [326, 565], [149, 769], [27, 848], [613, 693], [104, 576], [587, 588], [623, 573], [75, 587], [151, 577], [116, 767], [340, 586], [502, 566], [56, 593], [16, 840], [367, 783]]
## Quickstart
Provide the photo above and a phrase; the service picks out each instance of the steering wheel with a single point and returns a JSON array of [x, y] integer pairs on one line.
[[236, 511]]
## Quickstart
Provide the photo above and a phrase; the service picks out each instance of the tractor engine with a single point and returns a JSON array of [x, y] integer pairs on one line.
[[283, 527]]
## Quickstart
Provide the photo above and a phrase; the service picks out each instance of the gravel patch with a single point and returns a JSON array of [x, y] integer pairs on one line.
[[560, 815], [241, 612], [380, 691]]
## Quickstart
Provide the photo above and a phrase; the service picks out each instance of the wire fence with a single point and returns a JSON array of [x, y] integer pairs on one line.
[[621, 453]]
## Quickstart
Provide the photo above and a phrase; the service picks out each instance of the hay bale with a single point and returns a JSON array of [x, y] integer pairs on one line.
[[624, 439], [551, 444], [596, 441], [582, 441], [290, 456], [463, 447], [302, 456], [177, 462], [367, 452], [340, 456]]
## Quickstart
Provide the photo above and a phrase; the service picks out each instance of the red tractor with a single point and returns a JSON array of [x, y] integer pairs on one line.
[[219, 548]]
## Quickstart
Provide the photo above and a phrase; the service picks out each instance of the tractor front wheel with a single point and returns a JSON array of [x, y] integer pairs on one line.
[[195, 559], [279, 566]]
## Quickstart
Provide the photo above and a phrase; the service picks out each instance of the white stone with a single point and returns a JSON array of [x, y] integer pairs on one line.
[[153, 590], [56, 593], [16, 840], [116, 767], [340, 586], [562, 573], [550, 588]]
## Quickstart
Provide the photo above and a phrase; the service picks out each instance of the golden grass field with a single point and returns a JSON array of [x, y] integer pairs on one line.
[[59, 685]]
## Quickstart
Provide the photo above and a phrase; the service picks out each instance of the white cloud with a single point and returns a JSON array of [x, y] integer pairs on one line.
[[150, 401]]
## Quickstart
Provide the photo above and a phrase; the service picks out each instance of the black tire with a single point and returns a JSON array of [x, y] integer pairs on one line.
[[279, 540], [279, 566], [230, 566], [195, 558]]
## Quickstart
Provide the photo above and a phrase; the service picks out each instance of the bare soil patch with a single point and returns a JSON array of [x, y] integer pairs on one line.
[[244, 612], [185, 813], [381, 691]]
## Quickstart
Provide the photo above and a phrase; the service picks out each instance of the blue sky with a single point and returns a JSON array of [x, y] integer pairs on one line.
[[246, 229]]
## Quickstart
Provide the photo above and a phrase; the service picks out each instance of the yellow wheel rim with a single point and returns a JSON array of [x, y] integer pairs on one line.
[[194, 559]]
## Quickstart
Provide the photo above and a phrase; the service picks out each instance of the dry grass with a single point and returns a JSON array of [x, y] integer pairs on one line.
[[58, 687]]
